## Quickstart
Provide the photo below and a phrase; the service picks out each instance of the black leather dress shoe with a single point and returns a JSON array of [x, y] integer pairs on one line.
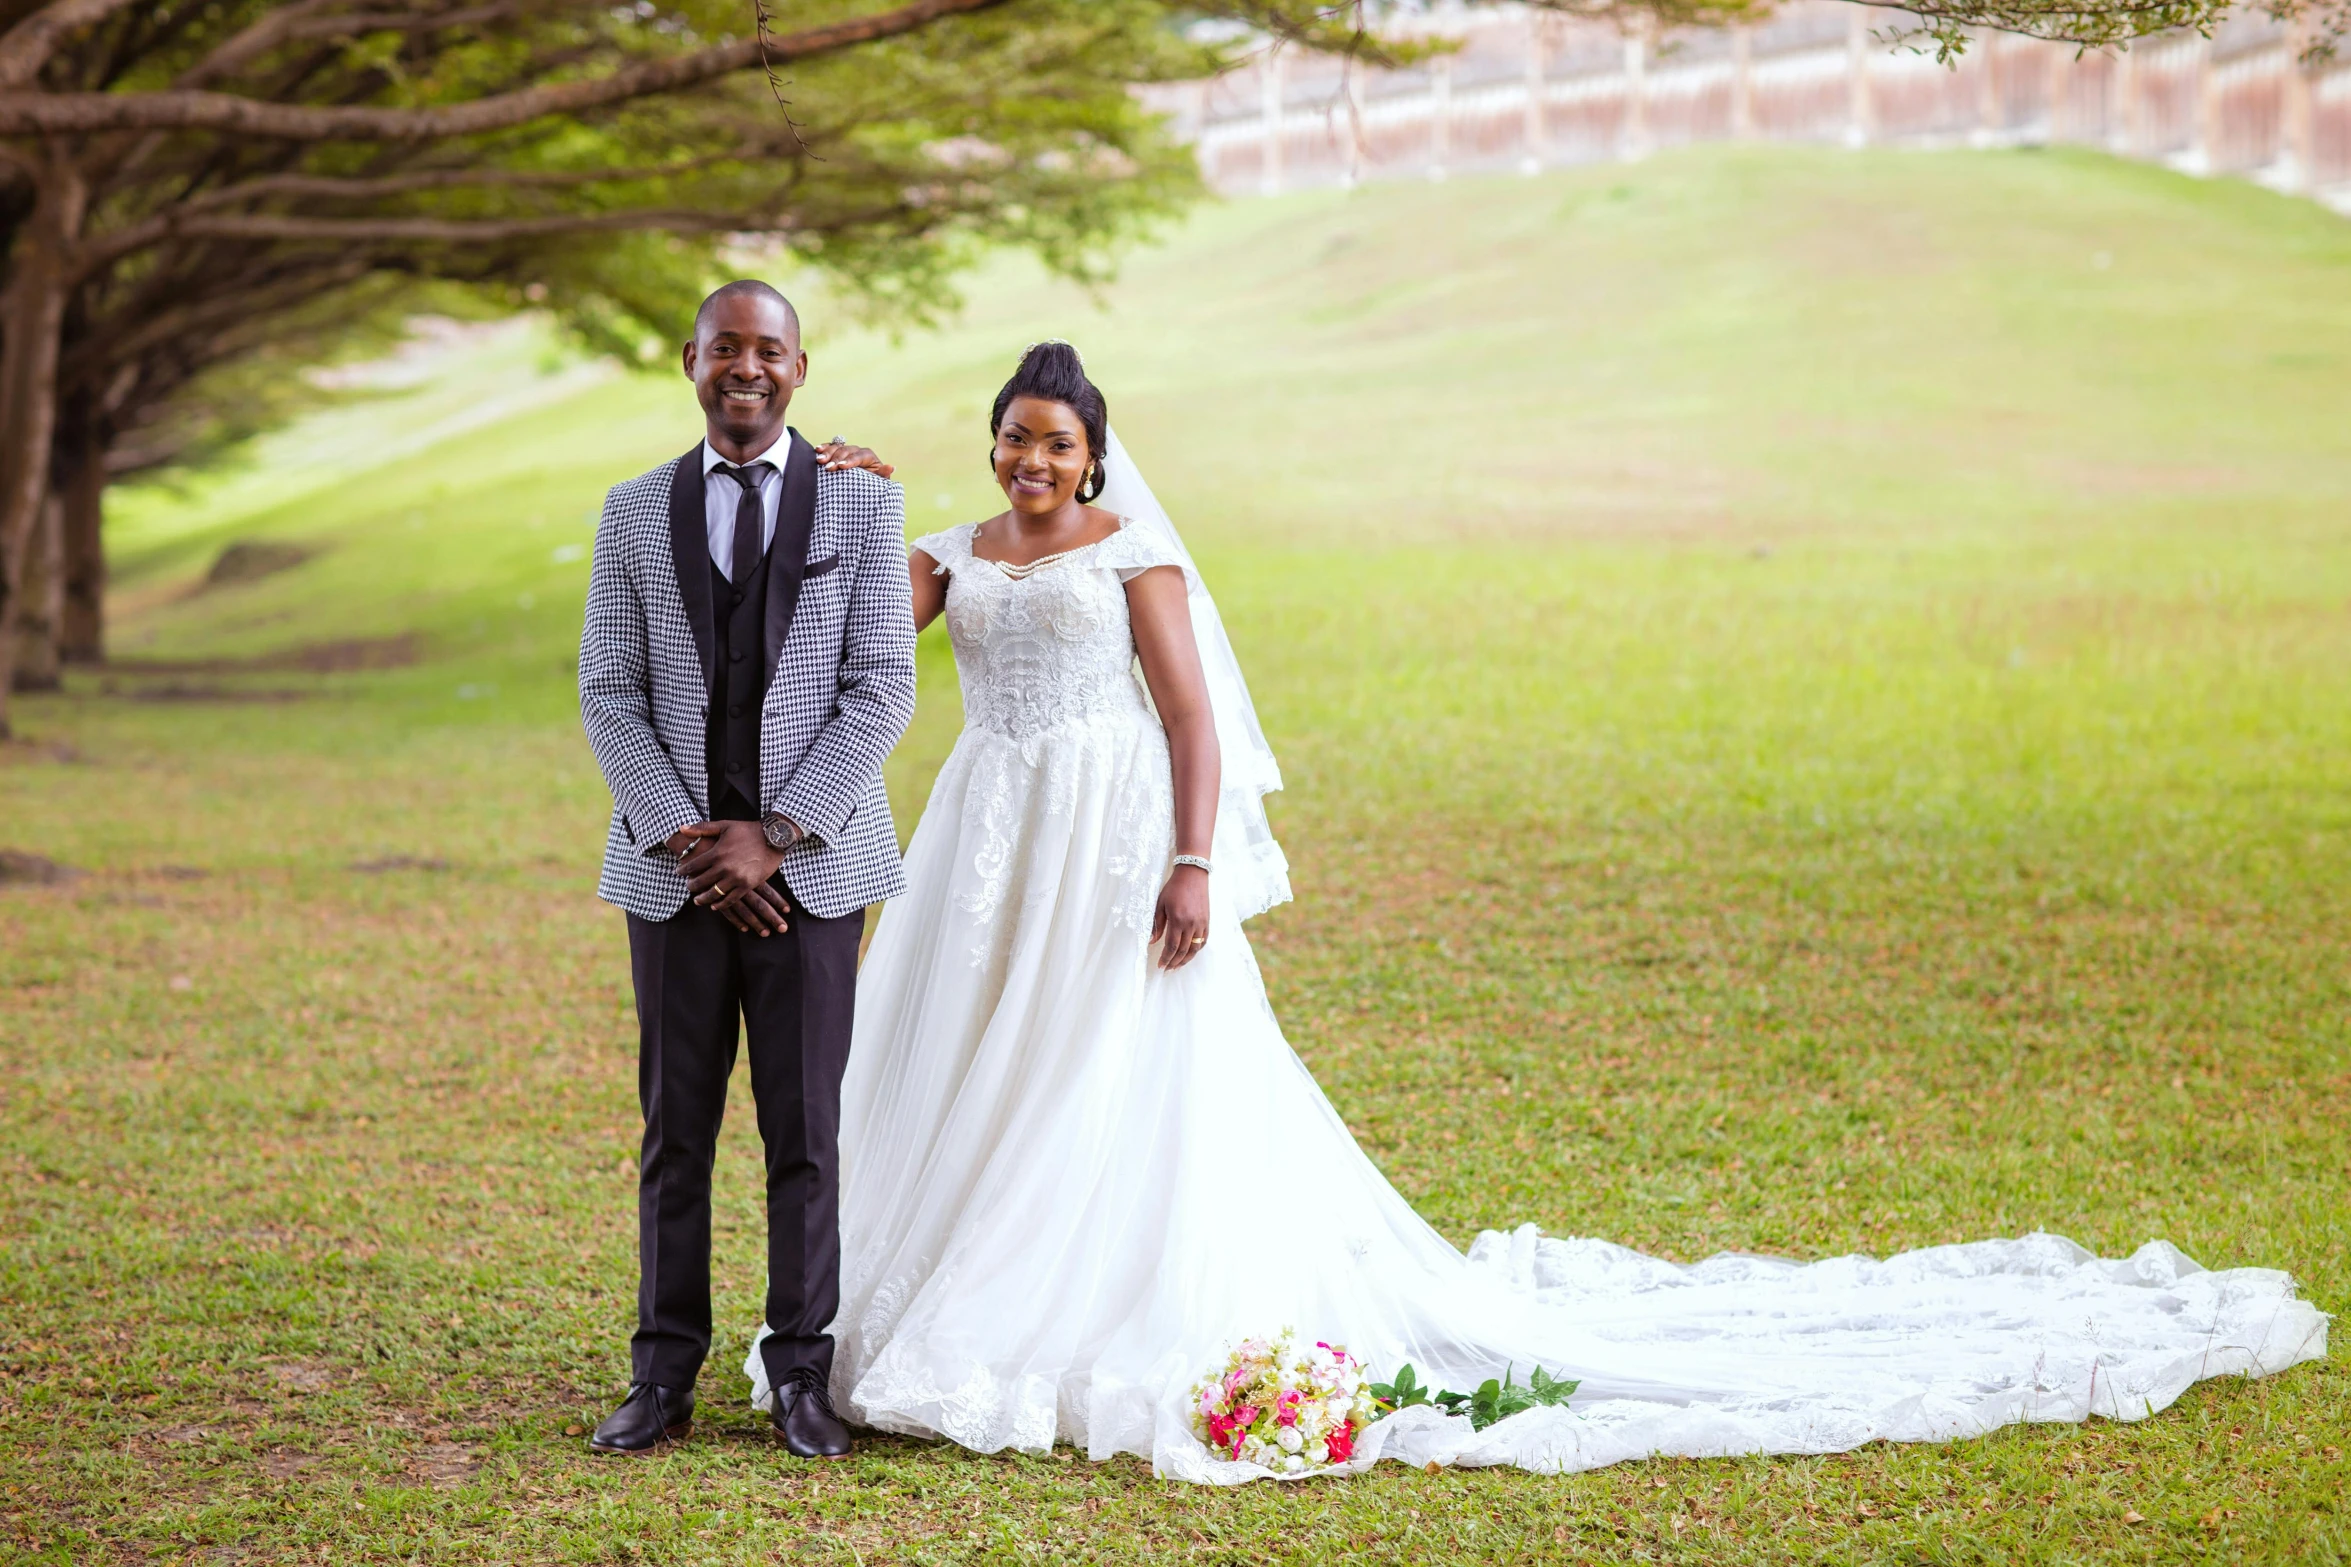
[[650, 1416], [805, 1422]]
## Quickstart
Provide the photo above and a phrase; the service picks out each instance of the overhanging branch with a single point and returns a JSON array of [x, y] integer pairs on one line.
[[463, 231], [330, 187], [28, 113], [300, 22], [26, 47]]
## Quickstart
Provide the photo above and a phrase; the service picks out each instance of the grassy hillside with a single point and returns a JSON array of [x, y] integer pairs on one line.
[[1813, 689]]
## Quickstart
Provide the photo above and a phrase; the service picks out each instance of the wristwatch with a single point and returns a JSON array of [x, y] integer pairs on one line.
[[780, 830]]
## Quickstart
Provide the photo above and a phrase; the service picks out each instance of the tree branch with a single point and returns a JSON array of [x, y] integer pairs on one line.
[[107, 249], [332, 188], [28, 45], [25, 113], [462, 231], [302, 21]]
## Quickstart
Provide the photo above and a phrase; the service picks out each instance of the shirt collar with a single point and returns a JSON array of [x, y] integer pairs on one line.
[[774, 455]]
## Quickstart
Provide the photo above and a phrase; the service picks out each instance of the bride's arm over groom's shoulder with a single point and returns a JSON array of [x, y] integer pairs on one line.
[[875, 697]]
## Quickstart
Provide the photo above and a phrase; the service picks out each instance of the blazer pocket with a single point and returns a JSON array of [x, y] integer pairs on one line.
[[817, 568]]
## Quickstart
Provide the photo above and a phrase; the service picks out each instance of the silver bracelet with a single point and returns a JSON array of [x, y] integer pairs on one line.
[[1193, 859]]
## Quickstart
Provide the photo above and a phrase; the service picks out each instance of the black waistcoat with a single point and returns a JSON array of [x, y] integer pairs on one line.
[[739, 616], [740, 642]]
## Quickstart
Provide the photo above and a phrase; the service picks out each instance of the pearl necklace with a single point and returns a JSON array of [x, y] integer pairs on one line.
[[1022, 573]]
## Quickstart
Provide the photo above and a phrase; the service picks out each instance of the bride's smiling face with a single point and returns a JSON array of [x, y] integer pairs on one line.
[[1041, 455]]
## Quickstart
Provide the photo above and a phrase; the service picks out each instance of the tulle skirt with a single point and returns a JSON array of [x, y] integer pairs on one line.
[[1070, 1181]]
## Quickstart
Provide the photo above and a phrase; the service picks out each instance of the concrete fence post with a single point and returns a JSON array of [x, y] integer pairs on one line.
[[1633, 139], [1440, 115], [1269, 86], [1857, 100], [1742, 83], [1991, 113], [1532, 162], [2122, 119], [1352, 80], [2204, 149], [2298, 148], [2058, 122]]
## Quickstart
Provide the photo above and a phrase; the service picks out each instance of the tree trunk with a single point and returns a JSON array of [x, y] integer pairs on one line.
[[41, 605], [80, 478], [32, 313]]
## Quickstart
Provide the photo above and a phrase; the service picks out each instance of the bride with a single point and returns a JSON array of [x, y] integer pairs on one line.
[[1079, 1161]]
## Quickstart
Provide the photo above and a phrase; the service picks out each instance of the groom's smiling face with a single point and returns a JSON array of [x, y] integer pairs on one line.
[[745, 363]]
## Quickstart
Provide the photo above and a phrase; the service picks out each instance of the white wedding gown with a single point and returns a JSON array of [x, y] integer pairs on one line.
[[1070, 1180]]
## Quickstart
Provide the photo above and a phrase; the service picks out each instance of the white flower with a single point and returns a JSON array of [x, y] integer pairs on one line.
[[1339, 1409], [1290, 1440], [1293, 1465], [1317, 1453]]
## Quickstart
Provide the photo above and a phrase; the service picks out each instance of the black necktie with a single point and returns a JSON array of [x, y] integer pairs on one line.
[[747, 518]]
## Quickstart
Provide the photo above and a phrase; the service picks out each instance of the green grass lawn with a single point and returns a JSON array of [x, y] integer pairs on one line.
[[1816, 693]]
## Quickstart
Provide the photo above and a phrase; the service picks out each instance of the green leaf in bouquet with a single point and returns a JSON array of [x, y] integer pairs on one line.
[[1500, 1399], [1485, 1404], [1402, 1393], [1548, 1389]]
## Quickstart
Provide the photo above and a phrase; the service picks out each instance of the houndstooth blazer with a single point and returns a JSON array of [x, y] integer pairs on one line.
[[841, 634]]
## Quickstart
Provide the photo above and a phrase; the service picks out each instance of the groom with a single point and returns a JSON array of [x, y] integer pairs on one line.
[[748, 662]]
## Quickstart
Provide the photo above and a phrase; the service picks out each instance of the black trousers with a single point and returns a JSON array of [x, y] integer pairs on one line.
[[701, 984]]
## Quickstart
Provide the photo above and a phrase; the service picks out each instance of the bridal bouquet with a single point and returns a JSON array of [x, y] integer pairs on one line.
[[1291, 1407]]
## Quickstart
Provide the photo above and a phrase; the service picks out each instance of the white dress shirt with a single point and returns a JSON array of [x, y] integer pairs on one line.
[[721, 495]]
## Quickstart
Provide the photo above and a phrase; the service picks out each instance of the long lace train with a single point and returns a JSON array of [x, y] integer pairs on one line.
[[1071, 1180]]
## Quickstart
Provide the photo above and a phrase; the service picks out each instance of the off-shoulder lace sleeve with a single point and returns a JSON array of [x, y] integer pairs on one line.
[[1131, 551], [951, 548]]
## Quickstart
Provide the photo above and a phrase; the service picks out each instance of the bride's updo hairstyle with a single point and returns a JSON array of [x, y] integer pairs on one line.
[[1052, 371]]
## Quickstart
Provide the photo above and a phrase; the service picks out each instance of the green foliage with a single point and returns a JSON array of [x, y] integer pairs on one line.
[[887, 170], [1494, 1399], [1402, 1393]]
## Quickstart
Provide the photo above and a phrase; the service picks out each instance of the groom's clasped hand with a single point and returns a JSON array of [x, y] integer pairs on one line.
[[729, 867]]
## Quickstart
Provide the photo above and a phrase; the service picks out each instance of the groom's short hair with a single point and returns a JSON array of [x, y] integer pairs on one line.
[[739, 287]]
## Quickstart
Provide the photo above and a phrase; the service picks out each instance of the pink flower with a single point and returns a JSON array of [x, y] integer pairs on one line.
[[1340, 1444]]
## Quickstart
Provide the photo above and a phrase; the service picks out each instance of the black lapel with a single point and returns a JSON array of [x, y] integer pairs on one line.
[[689, 551], [787, 556]]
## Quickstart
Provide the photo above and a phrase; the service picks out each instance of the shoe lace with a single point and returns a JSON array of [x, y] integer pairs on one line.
[[813, 1386]]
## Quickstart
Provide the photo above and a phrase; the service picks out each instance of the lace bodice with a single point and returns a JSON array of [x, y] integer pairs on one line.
[[1040, 652]]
